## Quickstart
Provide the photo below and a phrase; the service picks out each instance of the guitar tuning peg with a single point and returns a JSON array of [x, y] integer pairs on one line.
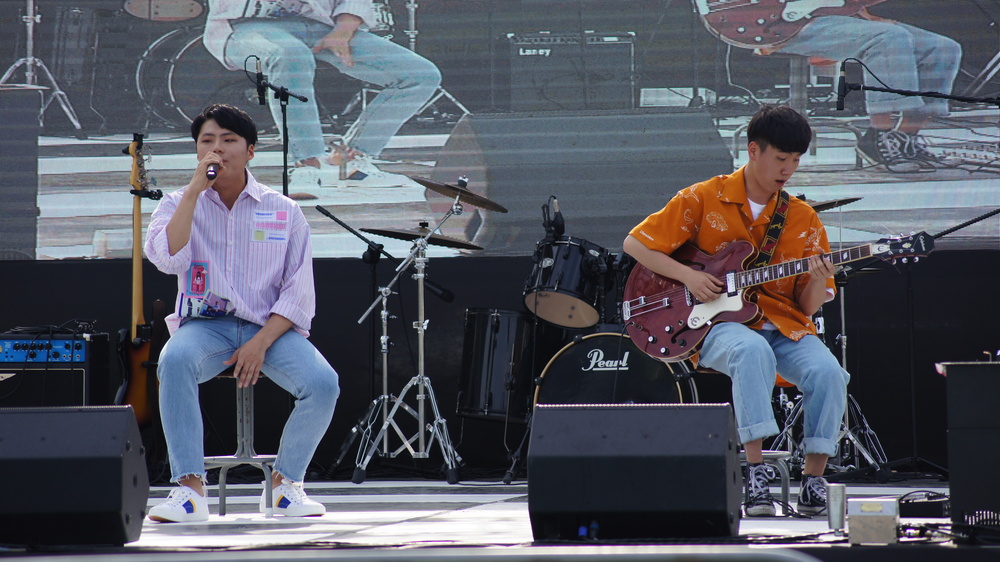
[[906, 260]]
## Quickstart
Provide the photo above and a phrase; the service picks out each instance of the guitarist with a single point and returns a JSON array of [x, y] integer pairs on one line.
[[712, 214]]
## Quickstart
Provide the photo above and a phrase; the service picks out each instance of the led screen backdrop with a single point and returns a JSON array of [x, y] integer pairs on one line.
[[608, 106]]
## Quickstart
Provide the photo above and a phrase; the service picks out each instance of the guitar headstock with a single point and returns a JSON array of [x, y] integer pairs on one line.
[[139, 179], [914, 246]]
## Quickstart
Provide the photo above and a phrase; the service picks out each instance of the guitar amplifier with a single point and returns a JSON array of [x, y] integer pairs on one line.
[[54, 370], [554, 71]]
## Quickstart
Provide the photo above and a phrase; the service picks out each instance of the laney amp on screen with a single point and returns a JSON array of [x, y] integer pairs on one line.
[[553, 71]]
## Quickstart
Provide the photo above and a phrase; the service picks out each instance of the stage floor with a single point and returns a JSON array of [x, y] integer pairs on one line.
[[432, 520]]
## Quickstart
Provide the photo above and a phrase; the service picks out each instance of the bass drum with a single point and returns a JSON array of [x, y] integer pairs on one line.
[[607, 368], [176, 78]]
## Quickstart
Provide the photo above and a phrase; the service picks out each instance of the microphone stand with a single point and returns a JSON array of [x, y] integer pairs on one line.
[[283, 94]]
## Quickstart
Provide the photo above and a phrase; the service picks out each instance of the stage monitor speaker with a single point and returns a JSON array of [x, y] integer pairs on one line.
[[633, 471], [558, 71], [608, 169], [86, 471], [54, 370], [973, 432]]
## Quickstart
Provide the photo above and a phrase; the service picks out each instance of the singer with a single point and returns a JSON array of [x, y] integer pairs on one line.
[[904, 57], [251, 310], [289, 38], [740, 206]]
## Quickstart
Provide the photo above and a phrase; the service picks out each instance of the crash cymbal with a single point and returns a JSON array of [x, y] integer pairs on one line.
[[414, 233], [821, 206], [464, 195]]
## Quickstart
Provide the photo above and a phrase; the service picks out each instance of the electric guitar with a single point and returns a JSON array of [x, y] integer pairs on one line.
[[134, 352], [665, 320], [756, 24]]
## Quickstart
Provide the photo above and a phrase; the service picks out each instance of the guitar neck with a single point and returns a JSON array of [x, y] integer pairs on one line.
[[760, 275]]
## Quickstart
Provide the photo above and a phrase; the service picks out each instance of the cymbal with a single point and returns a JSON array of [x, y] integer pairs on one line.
[[820, 206], [414, 233], [464, 195]]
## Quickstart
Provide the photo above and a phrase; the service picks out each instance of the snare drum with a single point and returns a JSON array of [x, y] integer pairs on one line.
[[567, 282], [607, 368], [503, 352]]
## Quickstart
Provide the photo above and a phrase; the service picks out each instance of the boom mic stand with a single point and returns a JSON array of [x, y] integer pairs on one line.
[[30, 62]]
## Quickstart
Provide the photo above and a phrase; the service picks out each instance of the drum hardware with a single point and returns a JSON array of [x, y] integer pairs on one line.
[[366, 422], [461, 192], [30, 63], [438, 429]]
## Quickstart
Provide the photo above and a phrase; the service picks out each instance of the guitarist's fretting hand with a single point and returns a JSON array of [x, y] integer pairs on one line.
[[814, 294]]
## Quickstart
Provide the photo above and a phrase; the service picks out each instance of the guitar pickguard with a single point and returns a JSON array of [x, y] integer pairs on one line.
[[703, 312], [796, 10]]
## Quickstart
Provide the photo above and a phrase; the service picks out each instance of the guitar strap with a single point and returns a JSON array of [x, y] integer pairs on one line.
[[766, 250]]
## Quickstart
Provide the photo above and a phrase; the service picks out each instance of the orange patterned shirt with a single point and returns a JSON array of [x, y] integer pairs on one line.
[[714, 213]]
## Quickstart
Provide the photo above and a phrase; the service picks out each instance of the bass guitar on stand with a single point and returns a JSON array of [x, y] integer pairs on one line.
[[134, 344], [667, 322]]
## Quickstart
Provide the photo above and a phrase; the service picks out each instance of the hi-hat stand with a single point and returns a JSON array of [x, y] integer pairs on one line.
[[30, 62], [387, 405]]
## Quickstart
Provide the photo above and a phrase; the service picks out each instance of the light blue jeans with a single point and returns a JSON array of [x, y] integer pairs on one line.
[[752, 357], [902, 56], [194, 354], [284, 46]]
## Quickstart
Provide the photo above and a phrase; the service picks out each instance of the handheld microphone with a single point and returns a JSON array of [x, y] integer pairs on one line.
[[212, 172], [558, 223], [261, 88], [841, 87]]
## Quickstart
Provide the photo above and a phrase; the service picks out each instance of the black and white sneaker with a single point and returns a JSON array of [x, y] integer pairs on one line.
[[757, 499], [812, 495], [885, 147]]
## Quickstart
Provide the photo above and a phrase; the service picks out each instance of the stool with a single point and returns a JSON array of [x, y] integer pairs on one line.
[[245, 453], [799, 74], [779, 460]]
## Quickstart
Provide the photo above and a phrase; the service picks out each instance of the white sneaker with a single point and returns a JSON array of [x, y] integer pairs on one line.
[[362, 172], [183, 505], [291, 500], [303, 178]]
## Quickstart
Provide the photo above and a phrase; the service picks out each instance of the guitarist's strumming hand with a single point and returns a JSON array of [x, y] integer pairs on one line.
[[704, 286]]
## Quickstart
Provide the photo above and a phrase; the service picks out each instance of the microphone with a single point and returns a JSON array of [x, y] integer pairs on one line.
[[842, 86], [261, 88], [558, 223], [212, 172]]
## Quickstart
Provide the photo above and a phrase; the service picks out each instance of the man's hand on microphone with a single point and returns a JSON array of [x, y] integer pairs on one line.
[[201, 180]]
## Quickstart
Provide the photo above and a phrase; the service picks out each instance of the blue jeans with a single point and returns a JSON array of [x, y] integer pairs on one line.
[[285, 49], [904, 57], [194, 354], [751, 358]]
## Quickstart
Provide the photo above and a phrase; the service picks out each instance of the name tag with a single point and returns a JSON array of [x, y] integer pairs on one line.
[[270, 226]]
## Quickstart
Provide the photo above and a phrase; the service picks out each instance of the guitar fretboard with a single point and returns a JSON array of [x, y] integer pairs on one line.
[[791, 268]]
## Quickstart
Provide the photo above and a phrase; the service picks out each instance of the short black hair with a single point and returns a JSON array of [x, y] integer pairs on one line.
[[781, 127], [228, 117]]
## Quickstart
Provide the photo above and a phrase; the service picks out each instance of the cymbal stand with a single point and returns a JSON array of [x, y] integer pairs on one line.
[[30, 62], [411, 32], [438, 429]]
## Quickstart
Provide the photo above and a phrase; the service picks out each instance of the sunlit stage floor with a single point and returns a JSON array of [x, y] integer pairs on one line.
[[432, 520]]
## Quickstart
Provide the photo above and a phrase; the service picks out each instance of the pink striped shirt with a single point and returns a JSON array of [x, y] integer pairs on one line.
[[257, 255]]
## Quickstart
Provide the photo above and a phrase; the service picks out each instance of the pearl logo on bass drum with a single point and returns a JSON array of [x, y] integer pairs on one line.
[[598, 363]]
